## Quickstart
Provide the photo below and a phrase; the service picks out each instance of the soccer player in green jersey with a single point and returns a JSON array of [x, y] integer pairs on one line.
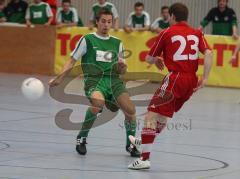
[[139, 20], [106, 5], [102, 65], [162, 22], [39, 13], [2, 15], [67, 15]]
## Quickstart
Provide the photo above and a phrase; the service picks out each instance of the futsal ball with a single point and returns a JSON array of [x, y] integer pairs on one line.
[[32, 88]]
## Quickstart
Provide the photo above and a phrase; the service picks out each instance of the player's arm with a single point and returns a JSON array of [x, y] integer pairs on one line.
[[208, 60], [155, 28], [65, 71], [154, 56], [122, 66], [27, 17], [91, 21], [50, 16], [128, 26], [206, 20], [234, 30], [234, 56], [234, 26], [79, 51], [116, 18], [116, 24]]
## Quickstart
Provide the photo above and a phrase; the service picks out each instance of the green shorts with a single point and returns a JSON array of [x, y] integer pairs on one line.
[[111, 88]]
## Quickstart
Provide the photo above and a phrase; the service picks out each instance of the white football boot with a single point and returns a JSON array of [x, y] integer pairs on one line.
[[135, 141], [139, 165]]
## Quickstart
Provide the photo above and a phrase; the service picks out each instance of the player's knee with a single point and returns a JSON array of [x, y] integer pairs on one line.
[[97, 106], [130, 111]]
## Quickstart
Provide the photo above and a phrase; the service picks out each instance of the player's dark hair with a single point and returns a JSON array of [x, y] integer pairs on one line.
[[220, 0], [164, 7], [180, 11], [138, 4], [103, 11], [66, 1]]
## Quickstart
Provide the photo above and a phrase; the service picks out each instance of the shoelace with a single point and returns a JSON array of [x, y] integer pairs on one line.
[[138, 141], [135, 163], [83, 141]]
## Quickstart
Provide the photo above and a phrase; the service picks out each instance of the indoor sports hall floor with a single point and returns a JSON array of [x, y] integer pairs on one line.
[[201, 142]]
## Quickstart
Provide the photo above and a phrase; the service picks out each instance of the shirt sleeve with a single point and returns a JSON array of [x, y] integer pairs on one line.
[[203, 45], [121, 53], [49, 11], [208, 18], [129, 20], [75, 15], [80, 49], [157, 47], [155, 24], [59, 16], [27, 16], [114, 11], [147, 20]]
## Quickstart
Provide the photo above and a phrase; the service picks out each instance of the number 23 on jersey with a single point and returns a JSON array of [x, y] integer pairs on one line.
[[179, 54]]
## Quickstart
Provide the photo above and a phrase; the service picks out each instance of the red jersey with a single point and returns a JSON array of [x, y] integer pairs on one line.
[[180, 45]]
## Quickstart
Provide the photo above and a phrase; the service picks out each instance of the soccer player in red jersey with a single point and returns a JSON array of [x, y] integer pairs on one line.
[[179, 46]]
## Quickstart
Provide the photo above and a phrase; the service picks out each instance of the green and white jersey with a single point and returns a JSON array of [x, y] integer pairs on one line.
[[97, 7], [138, 21], [98, 54], [160, 23], [39, 13], [67, 17]]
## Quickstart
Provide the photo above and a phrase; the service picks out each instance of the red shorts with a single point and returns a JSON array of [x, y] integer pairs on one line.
[[175, 89]]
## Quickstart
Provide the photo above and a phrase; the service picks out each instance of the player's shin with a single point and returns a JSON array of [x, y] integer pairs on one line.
[[152, 127], [90, 117], [130, 126], [148, 135]]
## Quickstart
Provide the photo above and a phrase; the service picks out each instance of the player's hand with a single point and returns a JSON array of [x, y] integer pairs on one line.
[[47, 24], [128, 29], [201, 84], [233, 59], [122, 66], [29, 24], [159, 63], [200, 28], [60, 25], [235, 36], [54, 82]]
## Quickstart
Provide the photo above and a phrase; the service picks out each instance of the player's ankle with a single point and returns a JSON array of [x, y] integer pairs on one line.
[[144, 158]]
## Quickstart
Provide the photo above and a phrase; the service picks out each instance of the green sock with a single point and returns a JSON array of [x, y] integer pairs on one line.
[[87, 124], [130, 126]]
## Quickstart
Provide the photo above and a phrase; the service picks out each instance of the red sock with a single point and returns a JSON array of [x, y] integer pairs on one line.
[[148, 136]]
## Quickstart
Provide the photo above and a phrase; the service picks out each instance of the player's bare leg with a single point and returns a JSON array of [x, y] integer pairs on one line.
[[154, 123], [97, 101], [129, 111]]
